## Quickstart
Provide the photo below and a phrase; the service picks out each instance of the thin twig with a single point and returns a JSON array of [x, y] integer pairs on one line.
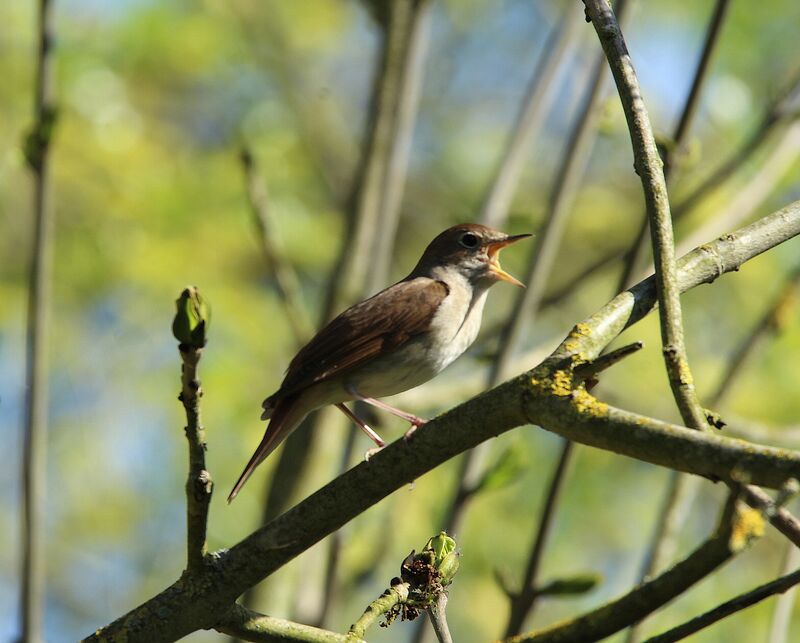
[[682, 489], [538, 97], [775, 115], [347, 279], [34, 444], [247, 625], [673, 151], [606, 361], [350, 274], [778, 112], [738, 526], [732, 606], [562, 197], [198, 484], [649, 168], [395, 595], [287, 284], [394, 180], [438, 618], [523, 602], [749, 197], [782, 613]]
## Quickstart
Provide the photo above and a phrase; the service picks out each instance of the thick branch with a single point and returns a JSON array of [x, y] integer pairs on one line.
[[193, 603]]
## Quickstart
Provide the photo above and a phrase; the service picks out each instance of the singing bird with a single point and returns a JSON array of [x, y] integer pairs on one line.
[[393, 341]]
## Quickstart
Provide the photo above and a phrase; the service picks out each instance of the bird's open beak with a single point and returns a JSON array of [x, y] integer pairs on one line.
[[493, 251]]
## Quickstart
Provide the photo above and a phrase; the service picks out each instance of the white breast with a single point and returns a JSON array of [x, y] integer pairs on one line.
[[454, 327]]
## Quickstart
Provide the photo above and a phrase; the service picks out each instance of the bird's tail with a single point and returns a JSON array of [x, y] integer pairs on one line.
[[285, 417]]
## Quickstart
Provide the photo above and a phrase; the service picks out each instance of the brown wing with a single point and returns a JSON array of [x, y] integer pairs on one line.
[[381, 323]]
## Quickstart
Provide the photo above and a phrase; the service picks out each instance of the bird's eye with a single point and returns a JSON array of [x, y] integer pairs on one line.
[[469, 240]]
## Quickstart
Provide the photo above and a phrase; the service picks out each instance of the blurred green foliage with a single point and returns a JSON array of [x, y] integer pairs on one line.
[[154, 98]]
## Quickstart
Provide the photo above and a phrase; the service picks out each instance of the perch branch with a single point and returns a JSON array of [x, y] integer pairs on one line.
[[193, 603]]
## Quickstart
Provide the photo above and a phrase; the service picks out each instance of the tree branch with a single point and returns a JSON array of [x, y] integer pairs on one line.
[[34, 442], [732, 606], [676, 146], [649, 166], [738, 526], [396, 595], [538, 96], [248, 625], [287, 285], [199, 601]]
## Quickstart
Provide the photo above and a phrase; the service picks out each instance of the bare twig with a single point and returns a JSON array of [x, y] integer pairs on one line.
[[408, 97], [782, 613], [247, 625], [776, 114], [199, 484], [523, 602], [673, 151], [348, 277], [562, 39], [737, 528], [732, 606], [34, 444], [606, 360], [395, 595], [778, 111], [681, 489], [438, 617], [758, 188], [287, 285], [548, 240], [649, 168]]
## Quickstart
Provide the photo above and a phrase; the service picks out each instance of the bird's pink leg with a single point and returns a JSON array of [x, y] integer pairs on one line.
[[362, 425], [414, 420]]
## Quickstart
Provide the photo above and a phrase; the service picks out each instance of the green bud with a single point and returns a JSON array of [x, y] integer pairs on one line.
[[441, 546], [192, 319], [448, 567]]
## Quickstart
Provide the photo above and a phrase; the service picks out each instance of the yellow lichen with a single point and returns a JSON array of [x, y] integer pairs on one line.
[[573, 340], [561, 383], [587, 404], [748, 524]]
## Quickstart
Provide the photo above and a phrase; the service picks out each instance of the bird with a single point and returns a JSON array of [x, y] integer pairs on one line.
[[392, 342]]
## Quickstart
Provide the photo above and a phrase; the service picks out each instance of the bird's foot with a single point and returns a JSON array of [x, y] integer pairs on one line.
[[415, 424], [371, 452]]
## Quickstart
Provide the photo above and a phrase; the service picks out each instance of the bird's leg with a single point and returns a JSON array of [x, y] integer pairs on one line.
[[415, 421], [362, 425]]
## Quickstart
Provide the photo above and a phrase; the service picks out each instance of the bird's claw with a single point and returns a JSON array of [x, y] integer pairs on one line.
[[415, 424], [371, 452]]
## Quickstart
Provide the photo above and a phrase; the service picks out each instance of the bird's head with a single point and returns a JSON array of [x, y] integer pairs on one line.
[[471, 249]]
